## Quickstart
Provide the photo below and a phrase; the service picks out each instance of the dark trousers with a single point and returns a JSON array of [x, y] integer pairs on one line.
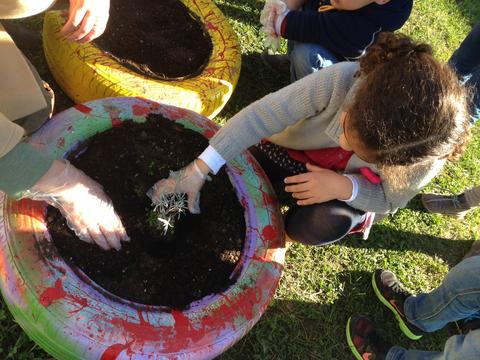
[[317, 224]]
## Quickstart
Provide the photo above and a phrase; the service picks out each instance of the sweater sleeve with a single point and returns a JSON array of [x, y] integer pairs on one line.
[[343, 32], [21, 168], [397, 188], [371, 197], [273, 113]]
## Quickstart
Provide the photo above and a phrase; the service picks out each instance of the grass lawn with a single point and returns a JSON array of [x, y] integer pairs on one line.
[[322, 287]]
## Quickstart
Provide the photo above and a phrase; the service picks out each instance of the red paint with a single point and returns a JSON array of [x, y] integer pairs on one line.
[[139, 110], [83, 109], [269, 233], [116, 122], [181, 320], [209, 133], [112, 352], [57, 292], [141, 332], [50, 295], [210, 26], [61, 142]]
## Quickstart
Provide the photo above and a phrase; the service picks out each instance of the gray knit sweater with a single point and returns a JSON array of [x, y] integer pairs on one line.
[[305, 115]]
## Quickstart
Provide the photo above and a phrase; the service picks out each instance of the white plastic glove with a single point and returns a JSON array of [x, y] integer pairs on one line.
[[188, 180], [268, 17], [81, 200]]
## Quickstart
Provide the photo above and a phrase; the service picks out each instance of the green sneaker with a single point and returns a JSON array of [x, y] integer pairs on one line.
[[392, 294], [364, 341]]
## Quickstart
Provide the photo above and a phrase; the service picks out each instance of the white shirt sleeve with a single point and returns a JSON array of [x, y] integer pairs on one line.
[[354, 188], [212, 158]]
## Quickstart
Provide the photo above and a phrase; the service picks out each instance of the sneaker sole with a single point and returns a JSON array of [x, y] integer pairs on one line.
[[400, 321], [350, 342]]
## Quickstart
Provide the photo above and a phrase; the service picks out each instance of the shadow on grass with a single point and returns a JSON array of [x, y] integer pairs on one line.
[[294, 329], [470, 10], [386, 237], [256, 80]]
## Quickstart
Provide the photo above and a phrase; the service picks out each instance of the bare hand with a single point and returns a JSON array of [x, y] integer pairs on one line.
[[87, 20], [318, 185]]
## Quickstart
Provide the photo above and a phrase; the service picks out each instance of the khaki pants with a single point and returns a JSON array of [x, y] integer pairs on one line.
[[25, 103]]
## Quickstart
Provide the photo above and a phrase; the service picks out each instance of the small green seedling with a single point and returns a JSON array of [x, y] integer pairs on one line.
[[169, 209]]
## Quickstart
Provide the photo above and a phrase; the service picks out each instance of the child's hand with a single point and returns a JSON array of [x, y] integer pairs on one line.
[[318, 185], [295, 4]]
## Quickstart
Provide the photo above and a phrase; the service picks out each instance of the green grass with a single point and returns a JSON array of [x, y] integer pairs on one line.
[[322, 287]]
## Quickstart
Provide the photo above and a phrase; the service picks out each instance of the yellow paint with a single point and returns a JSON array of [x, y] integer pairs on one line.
[[85, 73]]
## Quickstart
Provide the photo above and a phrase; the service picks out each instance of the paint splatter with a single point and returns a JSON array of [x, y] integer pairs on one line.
[[83, 109]]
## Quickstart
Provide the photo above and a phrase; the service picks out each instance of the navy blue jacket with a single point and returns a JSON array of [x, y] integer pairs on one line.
[[345, 33]]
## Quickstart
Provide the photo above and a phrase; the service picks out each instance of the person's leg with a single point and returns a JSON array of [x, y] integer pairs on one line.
[[318, 224], [467, 56], [275, 161], [466, 63], [453, 205], [306, 58], [321, 224], [461, 347], [366, 342], [458, 297]]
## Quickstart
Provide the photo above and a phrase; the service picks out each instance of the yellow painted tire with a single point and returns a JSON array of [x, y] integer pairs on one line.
[[85, 73]]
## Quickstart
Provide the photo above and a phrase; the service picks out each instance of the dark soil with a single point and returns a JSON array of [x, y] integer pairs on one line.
[[160, 39], [197, 258]]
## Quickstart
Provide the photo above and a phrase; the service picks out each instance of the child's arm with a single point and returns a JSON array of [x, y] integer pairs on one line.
[[397, 188], [270, 115], [399, 185], [346, 33]]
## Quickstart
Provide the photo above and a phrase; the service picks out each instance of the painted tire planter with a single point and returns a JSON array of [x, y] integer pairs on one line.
[[73, 318], [85, 73]]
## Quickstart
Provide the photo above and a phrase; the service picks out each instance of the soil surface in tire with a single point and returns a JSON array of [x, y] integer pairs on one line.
[[196, 258], [160, 39]]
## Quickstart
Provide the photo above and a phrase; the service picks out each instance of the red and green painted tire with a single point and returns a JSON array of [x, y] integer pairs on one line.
[[72, 318], [85, 73]]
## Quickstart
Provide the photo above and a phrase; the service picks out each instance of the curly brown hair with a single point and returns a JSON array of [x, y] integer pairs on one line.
[[409, 107]]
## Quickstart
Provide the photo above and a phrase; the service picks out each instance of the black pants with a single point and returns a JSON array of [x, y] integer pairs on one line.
[[317, 224]]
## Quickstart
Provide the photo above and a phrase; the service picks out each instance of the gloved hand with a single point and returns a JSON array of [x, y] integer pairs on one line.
[[268, 18], [188, 180], [81, 200], [87, 20]]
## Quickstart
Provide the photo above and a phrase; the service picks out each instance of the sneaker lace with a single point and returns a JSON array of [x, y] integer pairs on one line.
[[398, 288]]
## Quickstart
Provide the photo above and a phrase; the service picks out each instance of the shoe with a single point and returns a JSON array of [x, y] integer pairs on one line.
[[392, 294], [277, 62], [453, 205], [364, 341], [469, 324]]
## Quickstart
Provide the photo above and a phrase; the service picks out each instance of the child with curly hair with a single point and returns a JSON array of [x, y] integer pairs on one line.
[[349, 142]]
